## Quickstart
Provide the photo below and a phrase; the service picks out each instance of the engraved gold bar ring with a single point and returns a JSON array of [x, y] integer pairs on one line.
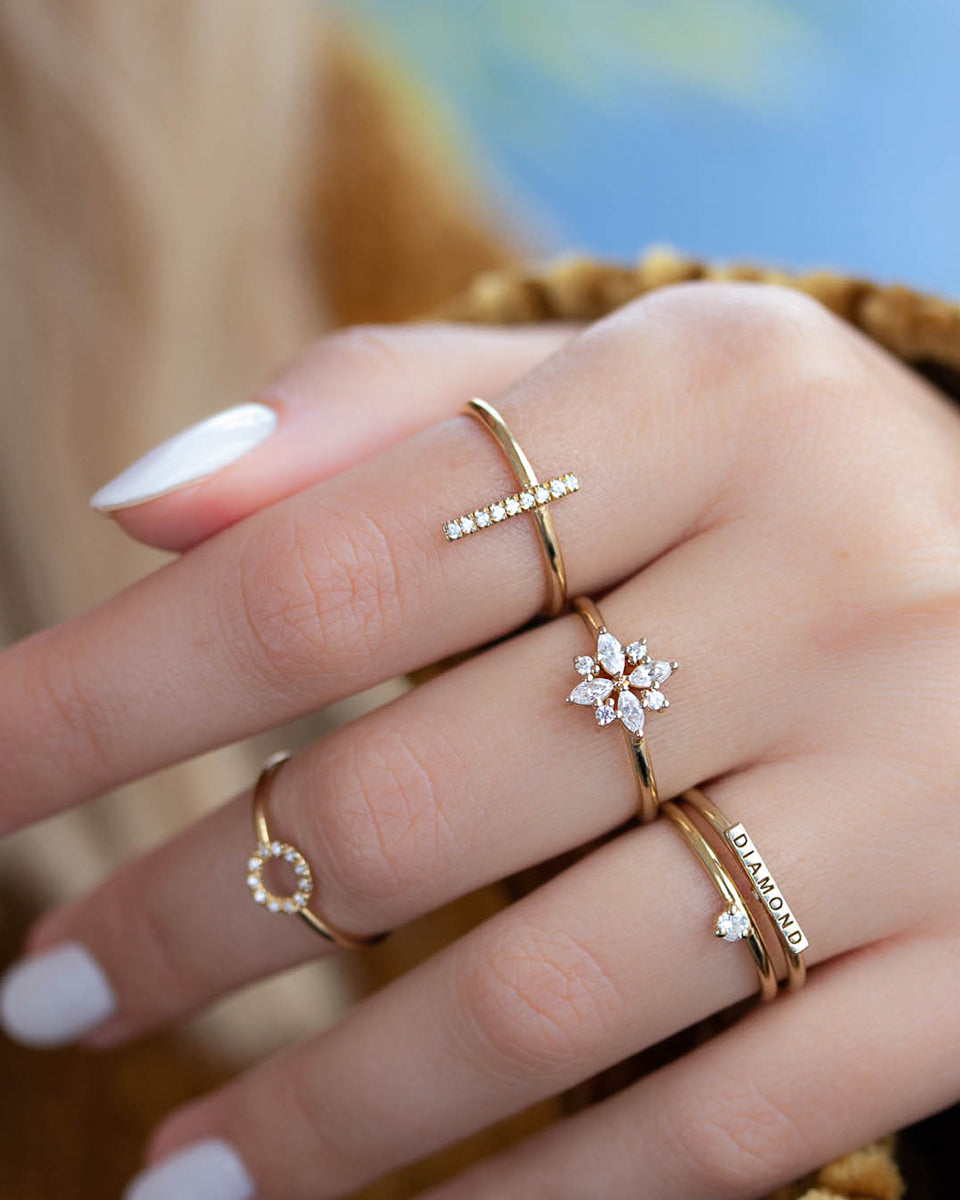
[[792, 939], [735, 922]]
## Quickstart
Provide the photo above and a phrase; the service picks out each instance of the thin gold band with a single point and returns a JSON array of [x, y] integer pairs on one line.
[[268, 848], [554, 570], [764, 886], [728, 891], [648, 803]]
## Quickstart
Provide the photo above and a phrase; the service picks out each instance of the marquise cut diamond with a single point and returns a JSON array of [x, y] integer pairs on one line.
[[630, 712], [591, 691], [610, 654]]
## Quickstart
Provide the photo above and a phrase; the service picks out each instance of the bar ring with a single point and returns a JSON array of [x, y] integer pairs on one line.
[[735, 922], [533, 497]]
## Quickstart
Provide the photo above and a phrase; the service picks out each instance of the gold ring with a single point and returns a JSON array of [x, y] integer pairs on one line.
[[606, 673], [533, 498], [736, 922], [296, 902], [793, 941]]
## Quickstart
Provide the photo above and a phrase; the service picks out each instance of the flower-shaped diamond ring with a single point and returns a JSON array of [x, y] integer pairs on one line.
[[622, 684]]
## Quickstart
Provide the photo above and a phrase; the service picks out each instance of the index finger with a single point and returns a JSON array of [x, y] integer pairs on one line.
[[349, 396], [351, 581]]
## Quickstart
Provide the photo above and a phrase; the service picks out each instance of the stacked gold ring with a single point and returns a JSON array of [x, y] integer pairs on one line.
[[736, 922]]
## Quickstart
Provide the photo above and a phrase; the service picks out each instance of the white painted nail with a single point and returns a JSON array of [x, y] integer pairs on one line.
[[189, 456], [209, 1170], [54, 997]]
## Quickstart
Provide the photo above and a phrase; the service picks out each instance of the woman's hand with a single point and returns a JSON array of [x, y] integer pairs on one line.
[[765, 497]]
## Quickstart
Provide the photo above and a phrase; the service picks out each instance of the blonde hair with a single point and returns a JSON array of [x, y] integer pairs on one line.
[[189, 190], [154, 165]]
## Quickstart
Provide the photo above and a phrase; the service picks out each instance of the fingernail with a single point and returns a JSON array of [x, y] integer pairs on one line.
[[189, 456], [54, 997], [209, 1170]]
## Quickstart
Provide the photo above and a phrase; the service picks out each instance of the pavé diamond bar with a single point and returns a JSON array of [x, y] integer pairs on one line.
[[511, 506]]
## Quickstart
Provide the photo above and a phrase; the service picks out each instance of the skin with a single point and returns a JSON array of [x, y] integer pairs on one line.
[[767, 498]]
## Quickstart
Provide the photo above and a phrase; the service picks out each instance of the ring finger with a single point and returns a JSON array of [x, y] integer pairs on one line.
[[615, 954]]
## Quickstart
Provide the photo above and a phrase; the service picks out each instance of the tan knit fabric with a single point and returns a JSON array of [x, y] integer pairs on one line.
[[914, 326]]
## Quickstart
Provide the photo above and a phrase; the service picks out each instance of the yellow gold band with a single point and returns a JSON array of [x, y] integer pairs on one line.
[[736, 910], [296, 903], [554, 569], [792, 940]]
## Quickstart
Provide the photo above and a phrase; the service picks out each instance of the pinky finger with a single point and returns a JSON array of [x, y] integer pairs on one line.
[[867, 1047]]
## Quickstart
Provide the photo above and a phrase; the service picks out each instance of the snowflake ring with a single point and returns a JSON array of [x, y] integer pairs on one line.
[[623, 684]]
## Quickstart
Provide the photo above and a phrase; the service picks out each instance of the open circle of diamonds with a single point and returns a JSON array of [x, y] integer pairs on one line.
[[271, 901]]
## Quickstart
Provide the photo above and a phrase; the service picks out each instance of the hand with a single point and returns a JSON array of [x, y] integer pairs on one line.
[[765, 497]]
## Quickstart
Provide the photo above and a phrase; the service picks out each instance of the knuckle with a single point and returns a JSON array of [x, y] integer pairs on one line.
[[730, 1142], [58, 683], [538, 999], [387, 832], [911, 541], [327, 1135], [764, 364], [315, 595], [803, 410], [126, 912], [734, 326], [377, 349], [894, 558]]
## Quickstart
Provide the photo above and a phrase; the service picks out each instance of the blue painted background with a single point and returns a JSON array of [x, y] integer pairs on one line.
[[805, 132]]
